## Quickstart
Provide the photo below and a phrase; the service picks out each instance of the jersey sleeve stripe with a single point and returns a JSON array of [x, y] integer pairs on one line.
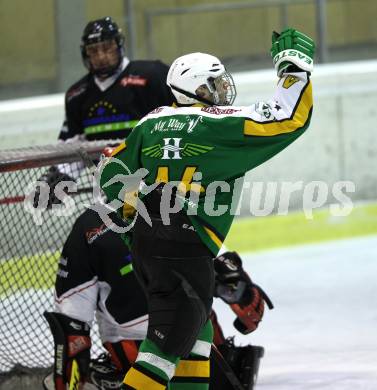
[[118, 149], [213, 237], [298, 119]]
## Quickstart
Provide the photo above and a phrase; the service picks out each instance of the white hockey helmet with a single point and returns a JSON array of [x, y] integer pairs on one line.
[[200, 77]]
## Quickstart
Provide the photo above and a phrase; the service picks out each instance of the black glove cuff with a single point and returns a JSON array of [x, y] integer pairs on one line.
[[240, 326]]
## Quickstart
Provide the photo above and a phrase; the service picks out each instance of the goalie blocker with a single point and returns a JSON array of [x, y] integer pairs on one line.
[[72, 352], [73, 367]]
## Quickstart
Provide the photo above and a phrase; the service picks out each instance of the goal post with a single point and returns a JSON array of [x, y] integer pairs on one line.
[[30, 248]]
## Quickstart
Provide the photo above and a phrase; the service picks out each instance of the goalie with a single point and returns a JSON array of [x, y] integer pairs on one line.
[[95, 276]]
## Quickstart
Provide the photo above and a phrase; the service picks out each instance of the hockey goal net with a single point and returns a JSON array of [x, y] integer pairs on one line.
[[30, 246]]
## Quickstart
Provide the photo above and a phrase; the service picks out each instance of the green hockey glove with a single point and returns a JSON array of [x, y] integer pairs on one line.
[[292, 51]]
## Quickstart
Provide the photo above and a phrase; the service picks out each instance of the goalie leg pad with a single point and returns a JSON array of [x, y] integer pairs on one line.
[[71, 352]]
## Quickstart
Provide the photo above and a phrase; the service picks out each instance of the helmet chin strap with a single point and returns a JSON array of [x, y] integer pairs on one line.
[[193, 96]]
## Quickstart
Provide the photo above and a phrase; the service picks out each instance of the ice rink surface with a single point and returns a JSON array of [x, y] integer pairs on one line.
[[322, 333]]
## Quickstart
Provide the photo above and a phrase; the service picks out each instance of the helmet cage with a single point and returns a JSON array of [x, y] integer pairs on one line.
[[223, 89]]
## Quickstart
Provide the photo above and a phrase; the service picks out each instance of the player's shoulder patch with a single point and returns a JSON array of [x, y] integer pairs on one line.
[[289, 81], [118, 149], [77, 89], [133, 80], [156, 111], [135, 74]]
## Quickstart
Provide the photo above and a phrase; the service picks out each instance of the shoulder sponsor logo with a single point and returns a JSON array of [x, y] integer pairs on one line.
[[92, 234], [156, 110], [219, 111], [133, 80], [76, 92]]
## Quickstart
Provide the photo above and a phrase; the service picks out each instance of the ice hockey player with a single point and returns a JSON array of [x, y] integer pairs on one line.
[[195, 152], [95, 276], [110, 99]]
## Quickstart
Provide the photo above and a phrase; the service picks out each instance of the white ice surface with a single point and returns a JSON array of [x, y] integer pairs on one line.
[[322, 333]]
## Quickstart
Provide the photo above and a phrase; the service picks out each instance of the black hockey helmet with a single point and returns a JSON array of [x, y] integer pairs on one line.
[[101, 30]]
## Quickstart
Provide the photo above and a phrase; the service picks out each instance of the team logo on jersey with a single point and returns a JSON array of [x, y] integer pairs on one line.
[[156, 110], [172, 149], [133, 80], [265, 110], [102, 108]]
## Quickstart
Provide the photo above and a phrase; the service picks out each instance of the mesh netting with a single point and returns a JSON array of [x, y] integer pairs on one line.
[[30, 248]]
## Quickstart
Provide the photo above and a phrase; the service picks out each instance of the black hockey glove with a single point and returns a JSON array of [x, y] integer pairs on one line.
[[231, 279], [52, 177], [234, 286]]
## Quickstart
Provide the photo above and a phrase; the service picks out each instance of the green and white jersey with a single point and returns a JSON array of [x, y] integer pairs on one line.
[[221, 143]]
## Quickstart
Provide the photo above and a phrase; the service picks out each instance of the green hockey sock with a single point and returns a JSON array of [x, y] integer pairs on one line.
[[152, 370], [193, 372]]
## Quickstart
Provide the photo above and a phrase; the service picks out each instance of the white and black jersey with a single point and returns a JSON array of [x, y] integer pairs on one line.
[[95, 273]]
